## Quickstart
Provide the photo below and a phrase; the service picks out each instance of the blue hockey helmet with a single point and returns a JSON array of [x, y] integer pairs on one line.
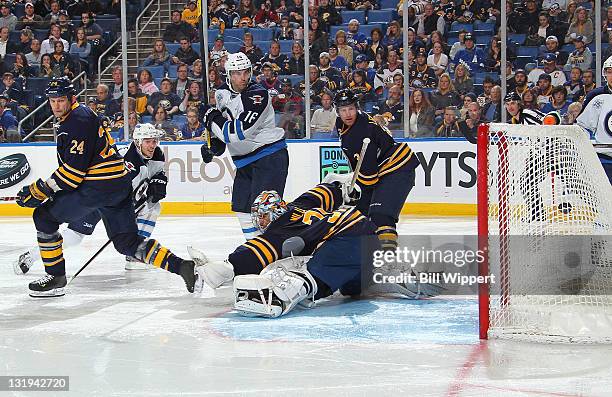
[[59, 87]]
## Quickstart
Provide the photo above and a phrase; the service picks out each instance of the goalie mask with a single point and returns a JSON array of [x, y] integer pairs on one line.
[[266, 208], [146, 131]]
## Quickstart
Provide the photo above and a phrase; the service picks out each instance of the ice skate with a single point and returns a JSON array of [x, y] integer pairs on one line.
[[48, 286]]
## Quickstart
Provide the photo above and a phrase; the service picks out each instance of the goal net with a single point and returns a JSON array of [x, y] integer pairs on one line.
[[545, 221]]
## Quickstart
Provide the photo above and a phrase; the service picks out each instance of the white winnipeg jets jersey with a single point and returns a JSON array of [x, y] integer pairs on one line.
[[596, 118], [250, 120], [141, 170]]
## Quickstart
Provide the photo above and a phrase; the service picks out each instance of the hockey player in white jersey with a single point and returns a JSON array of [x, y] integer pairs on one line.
[[145, 163], [243, 121], [596, 118]]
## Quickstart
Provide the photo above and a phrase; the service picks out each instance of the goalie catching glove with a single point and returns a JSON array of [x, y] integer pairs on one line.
[[34, 195], [350, 196], [276, 290]]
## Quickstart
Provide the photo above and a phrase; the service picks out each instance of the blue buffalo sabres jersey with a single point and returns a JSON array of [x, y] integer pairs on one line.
[[315, 216], [383, 155], [86, 153]]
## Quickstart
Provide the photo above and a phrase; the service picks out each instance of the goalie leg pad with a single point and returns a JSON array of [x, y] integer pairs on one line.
[[275, 291]]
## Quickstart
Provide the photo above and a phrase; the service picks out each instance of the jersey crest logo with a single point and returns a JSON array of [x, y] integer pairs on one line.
[[608, 123], [130, 167], [257, 99]]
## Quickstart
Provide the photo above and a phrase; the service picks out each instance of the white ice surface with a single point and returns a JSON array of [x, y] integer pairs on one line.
[[139, 333]]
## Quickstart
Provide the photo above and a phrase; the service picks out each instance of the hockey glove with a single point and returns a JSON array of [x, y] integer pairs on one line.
[[211, 116], [207, 154], [343, 181], [34, 195], [157, 187]]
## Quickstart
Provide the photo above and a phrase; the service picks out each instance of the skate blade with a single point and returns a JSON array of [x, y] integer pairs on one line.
[[57, 292], [137, 266]]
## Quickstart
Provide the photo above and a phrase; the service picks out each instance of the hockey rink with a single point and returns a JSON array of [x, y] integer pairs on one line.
[[140, 333]]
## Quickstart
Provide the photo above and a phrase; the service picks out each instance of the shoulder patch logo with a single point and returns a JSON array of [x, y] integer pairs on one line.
[[257, 99], [130, 167]]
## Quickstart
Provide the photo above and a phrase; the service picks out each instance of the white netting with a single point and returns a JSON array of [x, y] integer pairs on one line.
[[546, 181]]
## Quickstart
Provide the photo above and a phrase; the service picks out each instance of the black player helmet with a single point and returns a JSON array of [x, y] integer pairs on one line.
[[59, 87], [512, 96], [345, 97]]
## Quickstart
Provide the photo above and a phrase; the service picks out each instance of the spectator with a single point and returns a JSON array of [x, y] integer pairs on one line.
[[550, 68], [250, 49], [133, 119], [384, 76], [7, 18], [317, 85], [139, 99], [421, 120], [513, 19], [284, 31], [67, 30], [92, 7], [338, 61], [487, 85], [573, 111], [6, 47], [539, 33], [458, 46], [214, 80], [356, 40], [393, 39], [607, 53], [296, 13], [361, 5], [196, 70], [25, 41], [493, 109], [82, 49], [318, 44], [361, 63], [430, 22], [422, 75], [295, 63], [324, 118], [520, 82], [145, 82], [269, 78], [574, 85], [285, 95], [192, 128], [445, 95], [30, 19], [162, 121], [558, 101], [530, 99], [328, 15], [8, 121], [465, 11], [492, 61], [398, 80], [448, 126], [164, 98], [93, 31], [544, 90], [361, 87], [529, 17], [179, 86], [438, 60], [274, 56], [292, 121], [469, 126], [467, 99], [436, 37], [46, 68], [53, 15], [21, 69], [61, 59], [581, 57], [159, 56], [329, 74], [218, 47], [374, 44], [178, 29], [193, 97], [552, 46], [191, 14], [413, 19], [103, 100], [588, 84], [343, 48], [581, 25], [48, 45], [390, 111], [471, 56], [265, 16], [185, 54], [462, 82]]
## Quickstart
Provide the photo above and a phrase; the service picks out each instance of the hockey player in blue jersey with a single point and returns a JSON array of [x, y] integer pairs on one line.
[[91, 177], [243, 121], [144, 161]]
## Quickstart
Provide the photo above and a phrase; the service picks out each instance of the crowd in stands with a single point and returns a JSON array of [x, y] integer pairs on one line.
[[453, 47]]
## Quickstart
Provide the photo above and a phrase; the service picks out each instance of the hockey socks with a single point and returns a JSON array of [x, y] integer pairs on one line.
[[51, 252], [153, 253], [387, 235]]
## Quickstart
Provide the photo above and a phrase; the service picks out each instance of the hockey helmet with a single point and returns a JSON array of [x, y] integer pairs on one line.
[[512, 96], [266, 208], [237, 61], [145, 131], [607, 64], [60, 87], [346, 97]]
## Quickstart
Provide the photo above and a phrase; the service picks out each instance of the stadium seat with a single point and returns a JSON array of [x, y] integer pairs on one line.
[[264, 45], [457, 26], [196, 47], [484, 26], [172, 47], [146, 119], [295, 78], [41, 34], [19, 10], [486, 40], [231, 46], [9, 60], [388, 4], [521, 61], [568, 48], [285, 46], [452, 40], [156, 71], [261, 34], [527, 51], [157, 81], [105, 16], [478, 89], [179, 120], [108, 25], [172, 71], [383, 16], [517, 37], [348, 15], [529, 66], [14, 36], [37, 84], [365, 29]]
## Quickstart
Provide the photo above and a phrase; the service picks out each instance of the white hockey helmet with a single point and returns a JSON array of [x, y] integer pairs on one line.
[[607, 64], [237, 61], [145, 131]]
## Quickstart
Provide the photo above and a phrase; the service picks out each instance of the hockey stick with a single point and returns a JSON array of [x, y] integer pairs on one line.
[[8, 198], [364, 147], [100, 250]]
